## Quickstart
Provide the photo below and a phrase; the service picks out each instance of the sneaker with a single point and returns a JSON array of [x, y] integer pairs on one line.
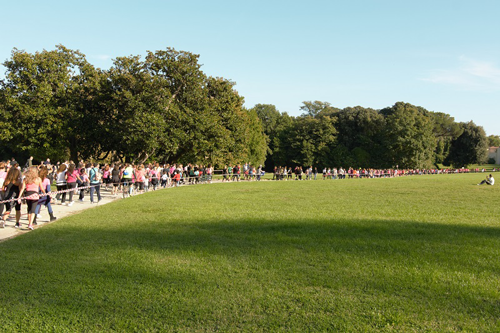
[[17, 225], [30, 227], [81, 200], [70, 204], [38, 216]]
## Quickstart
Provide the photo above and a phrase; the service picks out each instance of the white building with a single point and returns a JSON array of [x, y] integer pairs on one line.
[[494, 152]]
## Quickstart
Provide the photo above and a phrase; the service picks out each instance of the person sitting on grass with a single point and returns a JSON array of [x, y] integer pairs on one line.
[[488, 181]]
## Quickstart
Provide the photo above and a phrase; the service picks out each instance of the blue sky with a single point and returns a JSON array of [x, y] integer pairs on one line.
[[441, 55]]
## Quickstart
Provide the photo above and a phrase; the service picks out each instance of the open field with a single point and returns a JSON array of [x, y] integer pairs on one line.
[[406, 254]]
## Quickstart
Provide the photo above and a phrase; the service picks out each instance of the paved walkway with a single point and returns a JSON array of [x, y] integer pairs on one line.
[[60, 211]]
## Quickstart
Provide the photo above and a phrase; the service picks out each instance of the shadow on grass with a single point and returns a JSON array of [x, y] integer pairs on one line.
[[183, 273]]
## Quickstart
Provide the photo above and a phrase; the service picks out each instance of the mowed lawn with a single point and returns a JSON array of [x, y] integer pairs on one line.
[[410, 254]]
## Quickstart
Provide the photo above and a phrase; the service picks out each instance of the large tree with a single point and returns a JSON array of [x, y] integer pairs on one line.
[[42, 102], [445, 131], [307, 141], [360, 137], [410, 142], [471, 147]]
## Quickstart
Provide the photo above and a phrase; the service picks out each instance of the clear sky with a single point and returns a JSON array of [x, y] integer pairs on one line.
[[443, 55]]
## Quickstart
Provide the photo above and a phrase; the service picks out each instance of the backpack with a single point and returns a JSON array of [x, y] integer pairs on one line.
[[95, 176], [98, 175]]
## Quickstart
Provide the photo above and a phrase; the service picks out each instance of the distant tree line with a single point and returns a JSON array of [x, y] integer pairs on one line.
[[163, 108], [403, 135]]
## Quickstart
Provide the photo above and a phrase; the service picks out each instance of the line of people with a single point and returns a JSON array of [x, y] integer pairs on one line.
[[71, 179]]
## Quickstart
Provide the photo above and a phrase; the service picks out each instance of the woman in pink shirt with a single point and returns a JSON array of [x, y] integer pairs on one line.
[[31, 186], [106, 176], [71, 176], [85, 182], [139, 181], [45, 200]]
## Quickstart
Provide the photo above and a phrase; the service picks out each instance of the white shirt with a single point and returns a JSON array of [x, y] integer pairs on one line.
[[61, 178]]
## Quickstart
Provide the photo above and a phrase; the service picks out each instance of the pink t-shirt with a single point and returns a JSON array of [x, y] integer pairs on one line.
[[45, 183], [72, 177], [140, 175]]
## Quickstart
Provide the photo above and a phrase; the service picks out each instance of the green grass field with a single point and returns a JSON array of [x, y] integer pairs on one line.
[[407, 254]]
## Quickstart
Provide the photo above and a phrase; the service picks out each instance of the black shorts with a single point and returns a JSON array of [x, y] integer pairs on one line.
[[140, 186], [31, 204]]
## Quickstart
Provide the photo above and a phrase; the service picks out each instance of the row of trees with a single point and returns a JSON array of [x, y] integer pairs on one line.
[[164, 108], [56, 104], [402, 135]]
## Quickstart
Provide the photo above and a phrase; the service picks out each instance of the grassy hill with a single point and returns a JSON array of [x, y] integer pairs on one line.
[[404, 254]]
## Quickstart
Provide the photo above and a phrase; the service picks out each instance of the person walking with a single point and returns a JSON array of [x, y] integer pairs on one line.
[[31, 186], [61, 183], [72, 176], [12, 187], [115, 177], [95, 182], [84, 179], [45, 200]]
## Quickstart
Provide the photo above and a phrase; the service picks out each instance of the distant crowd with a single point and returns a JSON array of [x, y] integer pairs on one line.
[[310, 173]]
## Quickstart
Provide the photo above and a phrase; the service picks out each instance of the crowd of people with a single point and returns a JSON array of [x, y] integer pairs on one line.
[[310, 173], [34, 183], [31, 185]]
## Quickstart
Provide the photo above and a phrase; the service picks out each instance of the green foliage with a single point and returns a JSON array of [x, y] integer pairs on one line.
[[494, 141], [317, 109], [361, 133], [41, 98], [55, 104], [307, 142], [471, 147], [409, 136], [445, 131]]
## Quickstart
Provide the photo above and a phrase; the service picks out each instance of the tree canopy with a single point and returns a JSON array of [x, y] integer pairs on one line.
[[55, 104], [164, 108]]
